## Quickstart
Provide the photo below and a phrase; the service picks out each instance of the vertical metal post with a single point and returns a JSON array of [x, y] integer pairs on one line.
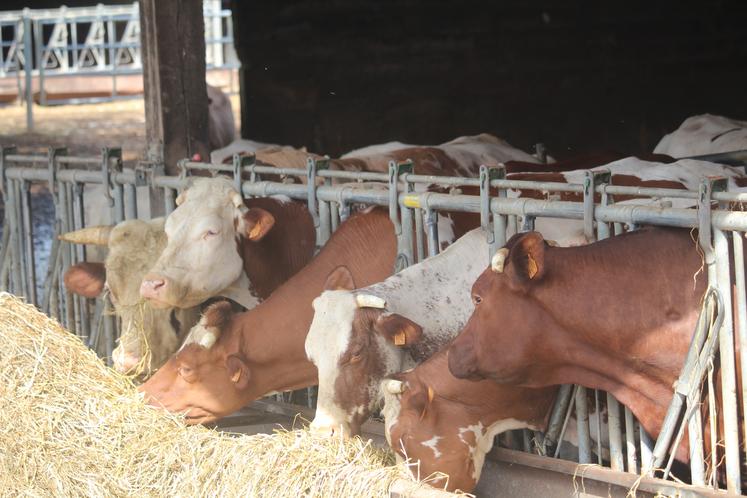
[[557, 415], [591, 180], [28, 67], [169, 200], [419, 231], [582, 424], [728, 370], [312, 166], [630, 447], [20, 239], [325, 217], [487, 218], [647, 448], [431, 225], [741, 306], [28, 234], [403, 227]]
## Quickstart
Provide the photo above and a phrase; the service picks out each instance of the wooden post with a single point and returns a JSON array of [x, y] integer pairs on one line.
[[173, 53]]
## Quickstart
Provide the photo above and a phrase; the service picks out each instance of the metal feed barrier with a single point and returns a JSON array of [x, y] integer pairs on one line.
[[39, 44], [415, 217]]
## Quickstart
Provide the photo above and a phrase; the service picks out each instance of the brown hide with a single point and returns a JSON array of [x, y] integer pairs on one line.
[[262, 350], [286, 248], [615, 315], [454, 405]]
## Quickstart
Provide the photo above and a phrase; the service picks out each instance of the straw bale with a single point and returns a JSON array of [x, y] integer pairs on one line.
[[70, 426]]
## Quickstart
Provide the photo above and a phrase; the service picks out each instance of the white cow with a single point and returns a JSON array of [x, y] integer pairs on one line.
[[704, 134]]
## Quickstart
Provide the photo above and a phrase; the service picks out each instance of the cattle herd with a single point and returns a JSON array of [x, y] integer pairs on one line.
[[455, 349]]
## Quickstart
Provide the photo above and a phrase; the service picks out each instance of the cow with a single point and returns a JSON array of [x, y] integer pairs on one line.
[[135, 246], [358, 337], [704, 134], [149, 336], [221, 244], [221, 126], [448, 425], [229, 360], [616, 315]]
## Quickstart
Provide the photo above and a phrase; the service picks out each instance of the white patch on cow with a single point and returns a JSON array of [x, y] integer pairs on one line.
[[704, 134], [373, 150], [472, 151], [327, 340], [201, 335], [432, 443], [281, 198], [484, 439], [238, 147], [445, 231]]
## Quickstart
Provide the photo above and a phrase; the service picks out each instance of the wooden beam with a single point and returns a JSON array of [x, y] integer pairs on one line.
[[173, 53]]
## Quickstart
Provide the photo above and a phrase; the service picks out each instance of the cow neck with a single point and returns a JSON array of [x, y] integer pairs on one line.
[[272, 335], [283, 251], [489, 402], [635, 303], [241, 292]]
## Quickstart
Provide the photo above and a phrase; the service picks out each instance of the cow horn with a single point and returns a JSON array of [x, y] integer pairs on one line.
[[369, 301], [499, 258], [181, 198], [394, 386], [238, 202], [207, 340], [97, 235]]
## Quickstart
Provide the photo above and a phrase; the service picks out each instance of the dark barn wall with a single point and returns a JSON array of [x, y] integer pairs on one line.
[[577, 75]]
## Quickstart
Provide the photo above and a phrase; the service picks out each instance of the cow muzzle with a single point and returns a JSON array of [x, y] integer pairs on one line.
[[154, 288], [330, 430], [462, 361]]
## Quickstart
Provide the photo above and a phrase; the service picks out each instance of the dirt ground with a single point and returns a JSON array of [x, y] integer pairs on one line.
[[82, 128]]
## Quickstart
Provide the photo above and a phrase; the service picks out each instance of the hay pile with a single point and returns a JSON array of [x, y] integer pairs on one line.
[[70, 426]]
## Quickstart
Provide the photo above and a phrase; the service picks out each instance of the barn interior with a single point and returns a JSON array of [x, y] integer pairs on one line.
[[568, 77]]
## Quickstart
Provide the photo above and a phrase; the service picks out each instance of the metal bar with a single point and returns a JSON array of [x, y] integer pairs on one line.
[[431, 225], [419, 232], [28, 66], [557, 415], [741, 308], [21, 240], [28, 233], [647, 450], [630, 447], [598, 411], [728, 370], [582, 424]]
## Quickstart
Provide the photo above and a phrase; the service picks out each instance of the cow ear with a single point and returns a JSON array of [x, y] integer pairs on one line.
[[340, 279], [86, 279], [398, 330], [420, 400], [238, 371], [257, 222], [527, 257]]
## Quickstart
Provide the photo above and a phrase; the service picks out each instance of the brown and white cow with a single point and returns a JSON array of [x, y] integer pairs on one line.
[[221, 244], [221, 126], [149, 336], [615, 315], [447, 425], [704, 134], [360, 336], [229, 360]]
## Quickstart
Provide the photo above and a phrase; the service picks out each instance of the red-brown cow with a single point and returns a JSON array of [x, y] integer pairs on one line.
[[228, 361], [615, 315], [448, 425]]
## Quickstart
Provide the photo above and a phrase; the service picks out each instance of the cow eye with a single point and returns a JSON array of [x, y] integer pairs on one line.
[[210, 233], [355, 358], [186, 373], [476, 299]]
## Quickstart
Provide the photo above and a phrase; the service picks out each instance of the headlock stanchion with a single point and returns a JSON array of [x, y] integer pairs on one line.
[[414, 211]]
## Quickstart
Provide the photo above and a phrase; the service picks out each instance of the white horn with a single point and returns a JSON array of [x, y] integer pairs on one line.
[[498, 260], [238, 202], [98, 235], [207, 340], [395, 386], [369, 301]]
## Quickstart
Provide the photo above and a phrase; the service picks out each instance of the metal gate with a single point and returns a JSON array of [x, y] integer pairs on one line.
[[330, 195]]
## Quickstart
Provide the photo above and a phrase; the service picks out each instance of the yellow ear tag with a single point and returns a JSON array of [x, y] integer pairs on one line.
[[430, 394], [400, 339], [255, 231], [532, 268], [236, 376]]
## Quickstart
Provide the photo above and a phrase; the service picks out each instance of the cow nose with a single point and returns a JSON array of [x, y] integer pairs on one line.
[[152, 286], [324, 430]]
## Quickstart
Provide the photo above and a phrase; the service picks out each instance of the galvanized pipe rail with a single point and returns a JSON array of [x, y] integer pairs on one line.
[[408, 207]]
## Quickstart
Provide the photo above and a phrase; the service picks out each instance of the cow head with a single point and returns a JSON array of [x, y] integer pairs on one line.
[[447, 425], [354, 342], [202, 257], [207, 378], [506, 319], [149, 336]]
